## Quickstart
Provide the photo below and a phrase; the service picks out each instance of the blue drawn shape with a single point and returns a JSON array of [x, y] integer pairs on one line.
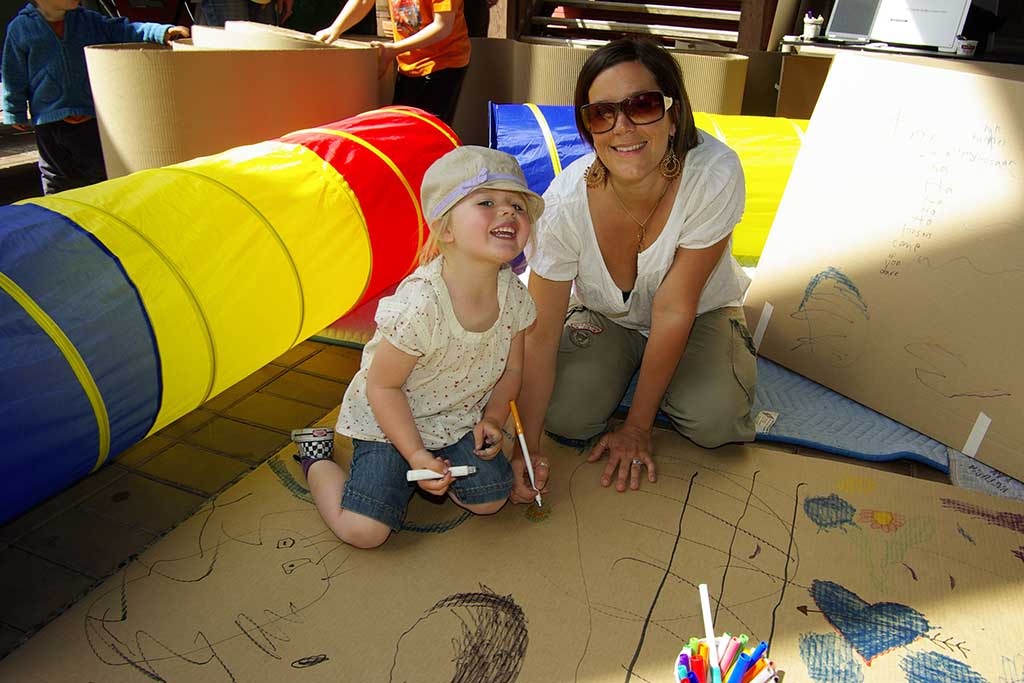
[[829, 659], [843, 283], [932, 667], [829, 512], [872, 629]]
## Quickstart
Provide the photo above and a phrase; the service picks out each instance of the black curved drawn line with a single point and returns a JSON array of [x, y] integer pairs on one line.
[[312, 660], [732, 541], [927, 261], [785, 570], [942, 365], [661, 584], [491, 644]]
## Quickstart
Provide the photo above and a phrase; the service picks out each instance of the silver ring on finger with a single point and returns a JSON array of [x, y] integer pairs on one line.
[[638, 461]]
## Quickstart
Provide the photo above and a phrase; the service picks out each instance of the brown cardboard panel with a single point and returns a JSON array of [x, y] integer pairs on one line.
[[800, 84], [893, 265], [837, 566], [158, 107]]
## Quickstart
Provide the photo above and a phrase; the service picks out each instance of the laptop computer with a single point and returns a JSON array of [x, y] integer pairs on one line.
[[851, 21]]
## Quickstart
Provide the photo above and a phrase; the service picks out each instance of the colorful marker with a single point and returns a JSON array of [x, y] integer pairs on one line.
[[729, 653], [739, 668], [456, 471]]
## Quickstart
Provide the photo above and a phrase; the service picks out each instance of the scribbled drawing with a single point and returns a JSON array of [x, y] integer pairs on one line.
[[888, 541], [933, 667], [829, 659], [1008, 520], [952, 582], [757, 551], [289, 482], [989, 253], [829, 512], [963, 532], [285, 549], [475, 637], [882, 520], [856, 485], [836, 317], [679, 534], [534, 513], [910, 569], [312, 660], [872, 629], [950, 643], [1013, 669], [1019, 553], [949, 375]]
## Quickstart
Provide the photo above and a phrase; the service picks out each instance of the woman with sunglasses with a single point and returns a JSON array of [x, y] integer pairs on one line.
[[640, 233]]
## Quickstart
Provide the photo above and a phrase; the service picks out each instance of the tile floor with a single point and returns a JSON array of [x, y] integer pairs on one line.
[[54, 554]]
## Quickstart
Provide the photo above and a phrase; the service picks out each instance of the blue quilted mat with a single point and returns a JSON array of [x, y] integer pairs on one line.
[[810, 414], [791, 409]]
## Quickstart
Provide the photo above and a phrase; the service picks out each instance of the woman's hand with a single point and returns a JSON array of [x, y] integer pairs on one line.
[[425, 460], [487, 438], [522, 490], [629, 450]]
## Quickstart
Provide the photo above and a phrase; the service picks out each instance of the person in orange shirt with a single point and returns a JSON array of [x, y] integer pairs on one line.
[[431, 46]]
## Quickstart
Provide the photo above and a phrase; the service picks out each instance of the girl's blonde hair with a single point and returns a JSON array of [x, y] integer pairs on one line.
[[433, 247]]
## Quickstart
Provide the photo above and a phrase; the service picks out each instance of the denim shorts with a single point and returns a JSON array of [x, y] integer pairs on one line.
[[377, 488]]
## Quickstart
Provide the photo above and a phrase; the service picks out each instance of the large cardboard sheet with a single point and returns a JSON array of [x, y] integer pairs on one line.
[[851, 574], [894, 267], [158, 107]]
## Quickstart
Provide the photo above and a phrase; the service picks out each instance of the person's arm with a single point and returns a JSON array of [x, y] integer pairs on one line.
[[496, 411], [351, 14], [14, 75], [551, 298], [384, 381], [673, 311], [284, 10]]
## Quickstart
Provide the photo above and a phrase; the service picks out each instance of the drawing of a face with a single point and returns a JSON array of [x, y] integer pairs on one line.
[[477, 636], [216, 620], [837, 319]]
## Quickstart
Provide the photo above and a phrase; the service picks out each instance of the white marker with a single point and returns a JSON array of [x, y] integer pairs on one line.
[[709, 632], [457, 471]]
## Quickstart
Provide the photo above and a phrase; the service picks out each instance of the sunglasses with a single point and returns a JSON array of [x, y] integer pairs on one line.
[[642, 109]]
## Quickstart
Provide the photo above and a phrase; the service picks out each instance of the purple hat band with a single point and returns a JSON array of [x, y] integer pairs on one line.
[[468, 185]]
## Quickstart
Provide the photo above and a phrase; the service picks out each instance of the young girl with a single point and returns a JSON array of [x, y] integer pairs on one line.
[[434, 384]]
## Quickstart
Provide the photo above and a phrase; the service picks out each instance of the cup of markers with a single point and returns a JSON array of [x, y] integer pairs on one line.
[[738, 663]]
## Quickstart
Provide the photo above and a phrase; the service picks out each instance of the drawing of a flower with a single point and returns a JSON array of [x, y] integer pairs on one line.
[[882, 520]]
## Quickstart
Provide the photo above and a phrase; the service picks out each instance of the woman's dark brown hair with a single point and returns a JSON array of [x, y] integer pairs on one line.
[[662, 66]]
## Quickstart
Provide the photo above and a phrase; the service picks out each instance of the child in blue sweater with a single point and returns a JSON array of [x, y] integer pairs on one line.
[[44, 68]]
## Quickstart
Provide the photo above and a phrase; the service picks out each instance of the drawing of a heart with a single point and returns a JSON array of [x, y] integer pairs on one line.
[[871, 629]]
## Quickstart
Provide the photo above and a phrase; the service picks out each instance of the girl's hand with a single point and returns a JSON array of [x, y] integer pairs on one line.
[[629, 450], [176, 33], [328, 35], [22, 127], [425, 460], [386, 54], [522, 490], [487, 438]]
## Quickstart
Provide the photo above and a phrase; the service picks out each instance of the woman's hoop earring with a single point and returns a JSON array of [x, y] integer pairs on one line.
[[596, 174], [670, 166]]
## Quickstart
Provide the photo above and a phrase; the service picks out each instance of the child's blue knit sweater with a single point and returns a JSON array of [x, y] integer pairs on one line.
[[48, 73]]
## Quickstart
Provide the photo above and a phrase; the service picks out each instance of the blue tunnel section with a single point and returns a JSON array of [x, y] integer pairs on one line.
[[71, 400]]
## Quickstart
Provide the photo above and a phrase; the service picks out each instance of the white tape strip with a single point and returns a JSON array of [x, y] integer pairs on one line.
[[977, 434], [762, 324]]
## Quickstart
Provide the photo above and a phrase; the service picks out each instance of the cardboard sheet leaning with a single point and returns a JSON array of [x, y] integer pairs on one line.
[[127, 304]]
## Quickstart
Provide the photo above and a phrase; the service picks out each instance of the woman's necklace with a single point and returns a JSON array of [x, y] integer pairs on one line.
[[641, 233]]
